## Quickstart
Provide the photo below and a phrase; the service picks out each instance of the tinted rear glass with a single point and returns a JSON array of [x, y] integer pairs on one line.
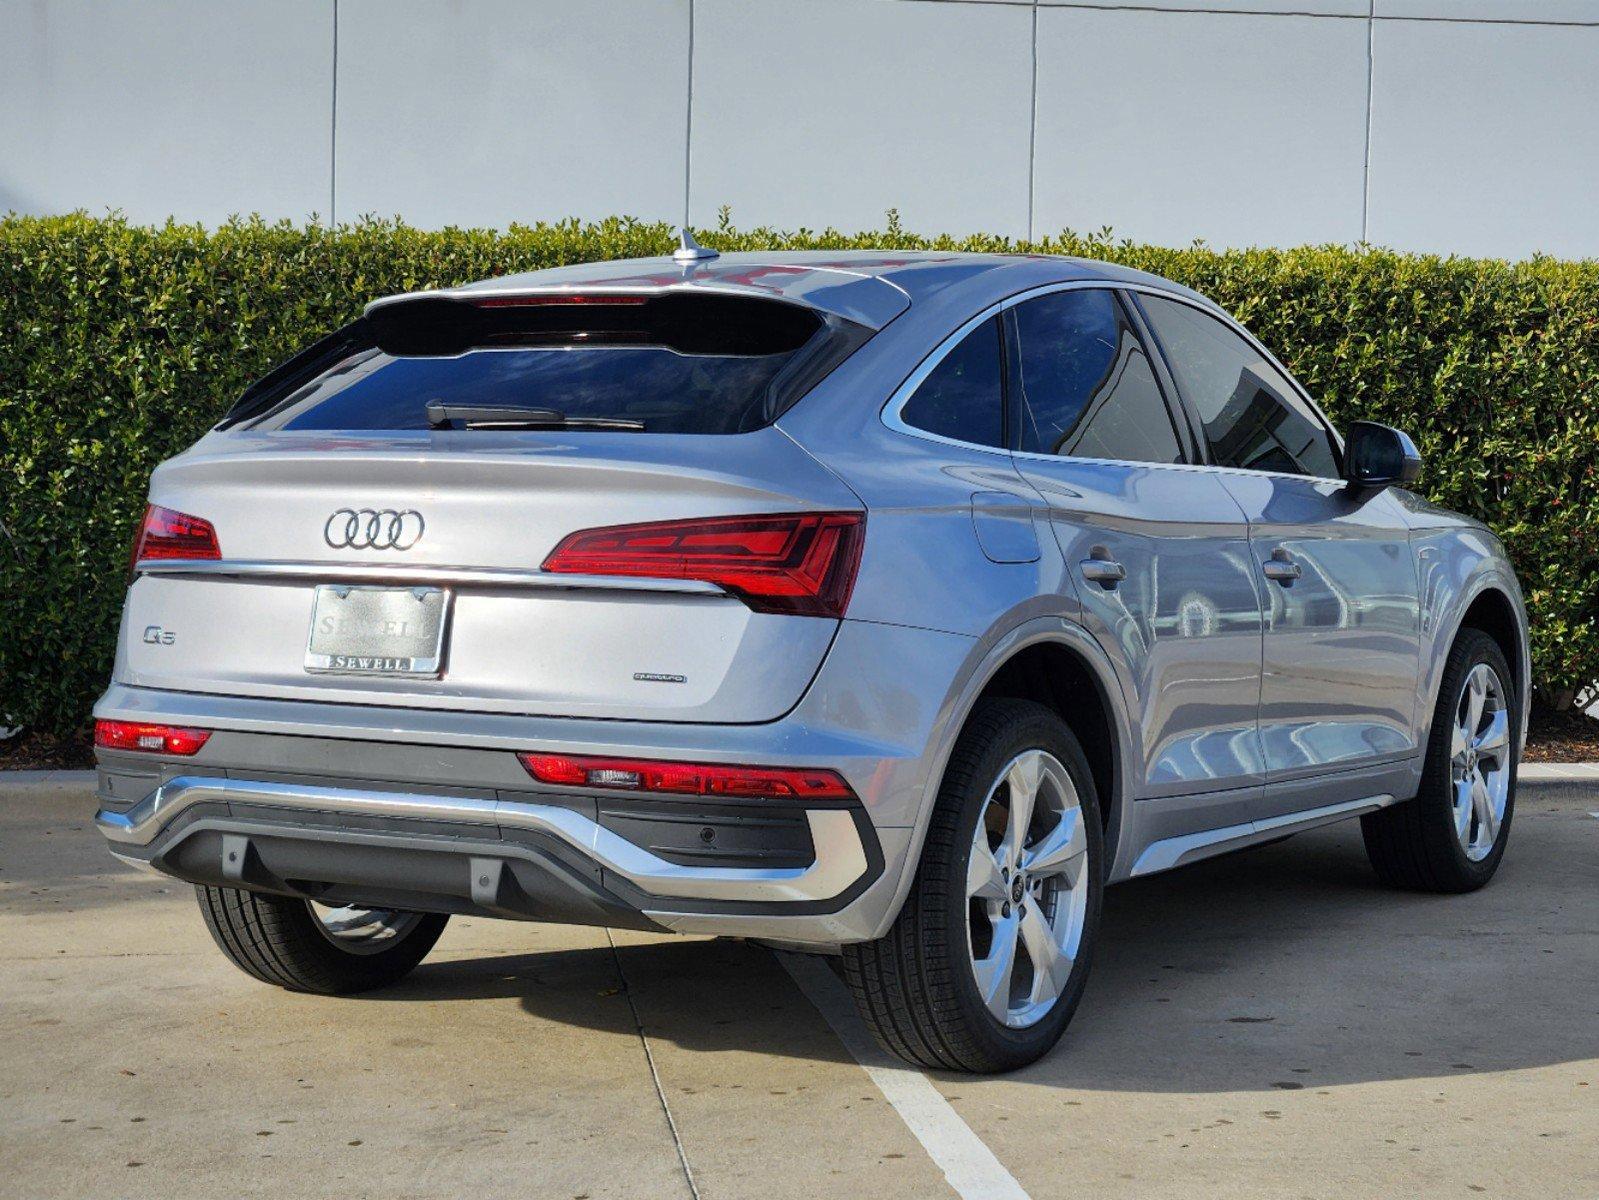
[[677, 364], [962, 397]]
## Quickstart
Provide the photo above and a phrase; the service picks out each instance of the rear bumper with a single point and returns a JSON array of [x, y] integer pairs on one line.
[[183, 807], [449, 786]]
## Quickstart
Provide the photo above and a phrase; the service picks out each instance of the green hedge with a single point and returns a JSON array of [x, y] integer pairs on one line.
[[119, 344]]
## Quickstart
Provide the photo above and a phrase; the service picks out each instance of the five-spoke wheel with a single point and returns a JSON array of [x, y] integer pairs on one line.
[[1479, 761], [1026, 888], [1451, 837], [987, 960]]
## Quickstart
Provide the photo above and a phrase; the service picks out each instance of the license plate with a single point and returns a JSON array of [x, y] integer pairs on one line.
[[387, 631]]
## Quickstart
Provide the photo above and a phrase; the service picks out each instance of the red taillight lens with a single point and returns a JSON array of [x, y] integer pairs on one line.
[[691, 779], [169, 534], [151, 739], [800, 563]]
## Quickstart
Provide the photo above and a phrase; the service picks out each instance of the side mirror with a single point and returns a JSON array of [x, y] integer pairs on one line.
[[1377, 456]]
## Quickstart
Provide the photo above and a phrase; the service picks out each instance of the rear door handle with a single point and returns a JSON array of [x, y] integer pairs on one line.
[[1282, 567], [1103, 570]]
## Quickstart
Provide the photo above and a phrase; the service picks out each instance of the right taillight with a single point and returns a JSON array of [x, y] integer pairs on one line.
[[688, 779], [166, 533], [799, 563]]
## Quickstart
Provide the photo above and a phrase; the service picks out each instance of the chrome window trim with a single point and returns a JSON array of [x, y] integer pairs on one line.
[[892, 411]]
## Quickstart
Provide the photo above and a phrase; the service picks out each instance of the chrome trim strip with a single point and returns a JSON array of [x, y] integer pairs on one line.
[[1189, 847], [407, 573], [840, 856]]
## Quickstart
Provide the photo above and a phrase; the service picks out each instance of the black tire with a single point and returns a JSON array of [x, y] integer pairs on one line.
[[278, 940], [915, 986], [1413, 845]]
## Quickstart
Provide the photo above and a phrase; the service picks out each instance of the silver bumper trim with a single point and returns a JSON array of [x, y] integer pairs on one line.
[[1190, 847], [840, 856]]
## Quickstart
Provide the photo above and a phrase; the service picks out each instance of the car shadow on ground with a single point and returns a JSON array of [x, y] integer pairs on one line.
[[1281, 968]]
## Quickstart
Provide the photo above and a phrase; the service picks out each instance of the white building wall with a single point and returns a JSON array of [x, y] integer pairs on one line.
[[1465, 126], [166, 107]]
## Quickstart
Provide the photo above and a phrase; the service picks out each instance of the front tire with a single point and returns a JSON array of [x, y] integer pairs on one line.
[[987, 961], [1451, 837], [305, 948]]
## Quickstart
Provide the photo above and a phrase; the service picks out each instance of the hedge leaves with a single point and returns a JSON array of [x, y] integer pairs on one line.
[[120, 344]]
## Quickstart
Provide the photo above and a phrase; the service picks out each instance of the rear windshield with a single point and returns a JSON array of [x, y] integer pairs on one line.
[[673, 364]]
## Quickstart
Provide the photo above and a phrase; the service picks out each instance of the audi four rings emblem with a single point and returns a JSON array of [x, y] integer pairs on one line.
[[373, 529]]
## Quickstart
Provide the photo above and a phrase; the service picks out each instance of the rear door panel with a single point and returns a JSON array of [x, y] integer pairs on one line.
[[1183, 627]]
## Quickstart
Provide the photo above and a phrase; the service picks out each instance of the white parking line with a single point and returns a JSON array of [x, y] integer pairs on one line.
[[968, 1164]]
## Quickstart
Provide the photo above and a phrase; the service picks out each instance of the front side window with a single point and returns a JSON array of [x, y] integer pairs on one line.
[[1087, 389], [1252, 416], [962, 397]]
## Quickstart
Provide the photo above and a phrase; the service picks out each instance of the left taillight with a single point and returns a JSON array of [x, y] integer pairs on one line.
[[798, 563], [167, 533], [149, 739]]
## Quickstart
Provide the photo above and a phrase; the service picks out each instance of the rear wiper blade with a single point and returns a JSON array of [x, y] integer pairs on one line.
[[511, 416]]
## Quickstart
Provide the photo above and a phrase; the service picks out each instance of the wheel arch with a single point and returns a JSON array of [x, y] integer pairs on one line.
[[1494, 606], [1493, 612], [1009, 665]]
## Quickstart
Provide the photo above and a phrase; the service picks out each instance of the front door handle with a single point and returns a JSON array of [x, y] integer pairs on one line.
[[1282, 567], [1103, 569]]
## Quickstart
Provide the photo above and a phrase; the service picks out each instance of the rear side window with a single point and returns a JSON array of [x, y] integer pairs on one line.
[[962, 397], [1253, 417], [1087, 387], [667, 364]]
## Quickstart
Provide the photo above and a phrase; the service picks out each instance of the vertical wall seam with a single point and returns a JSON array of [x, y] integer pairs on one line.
[[1365, 183], [333, 126], [1032, 133], [688, 120]]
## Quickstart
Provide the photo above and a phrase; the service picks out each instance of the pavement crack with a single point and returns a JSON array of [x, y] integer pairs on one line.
[[655, 1075]]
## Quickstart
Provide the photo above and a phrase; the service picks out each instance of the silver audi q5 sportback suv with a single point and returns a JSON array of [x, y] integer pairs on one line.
[[885, 605]]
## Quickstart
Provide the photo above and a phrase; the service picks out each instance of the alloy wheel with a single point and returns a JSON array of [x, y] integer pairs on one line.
[[362, 930], [1479, 761], [1027, 883]]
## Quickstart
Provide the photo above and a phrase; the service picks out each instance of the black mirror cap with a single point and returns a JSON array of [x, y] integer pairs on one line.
[[1380, 456]]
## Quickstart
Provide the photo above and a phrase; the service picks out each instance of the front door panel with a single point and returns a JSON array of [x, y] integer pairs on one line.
[[1183, 625], [1342, 644]]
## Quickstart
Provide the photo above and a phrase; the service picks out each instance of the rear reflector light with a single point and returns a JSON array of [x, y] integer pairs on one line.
[[799, 563], [168, 534], [689, 779], [151, 739]]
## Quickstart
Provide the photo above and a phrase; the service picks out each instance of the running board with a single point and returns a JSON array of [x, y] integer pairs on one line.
[[1190, 847]]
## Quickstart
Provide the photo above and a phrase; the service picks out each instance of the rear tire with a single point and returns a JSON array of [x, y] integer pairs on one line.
[[921, 987], [282, 940], [1444, 840]]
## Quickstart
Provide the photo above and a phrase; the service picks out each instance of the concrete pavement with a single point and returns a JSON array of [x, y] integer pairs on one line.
[[1271, 1024]]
